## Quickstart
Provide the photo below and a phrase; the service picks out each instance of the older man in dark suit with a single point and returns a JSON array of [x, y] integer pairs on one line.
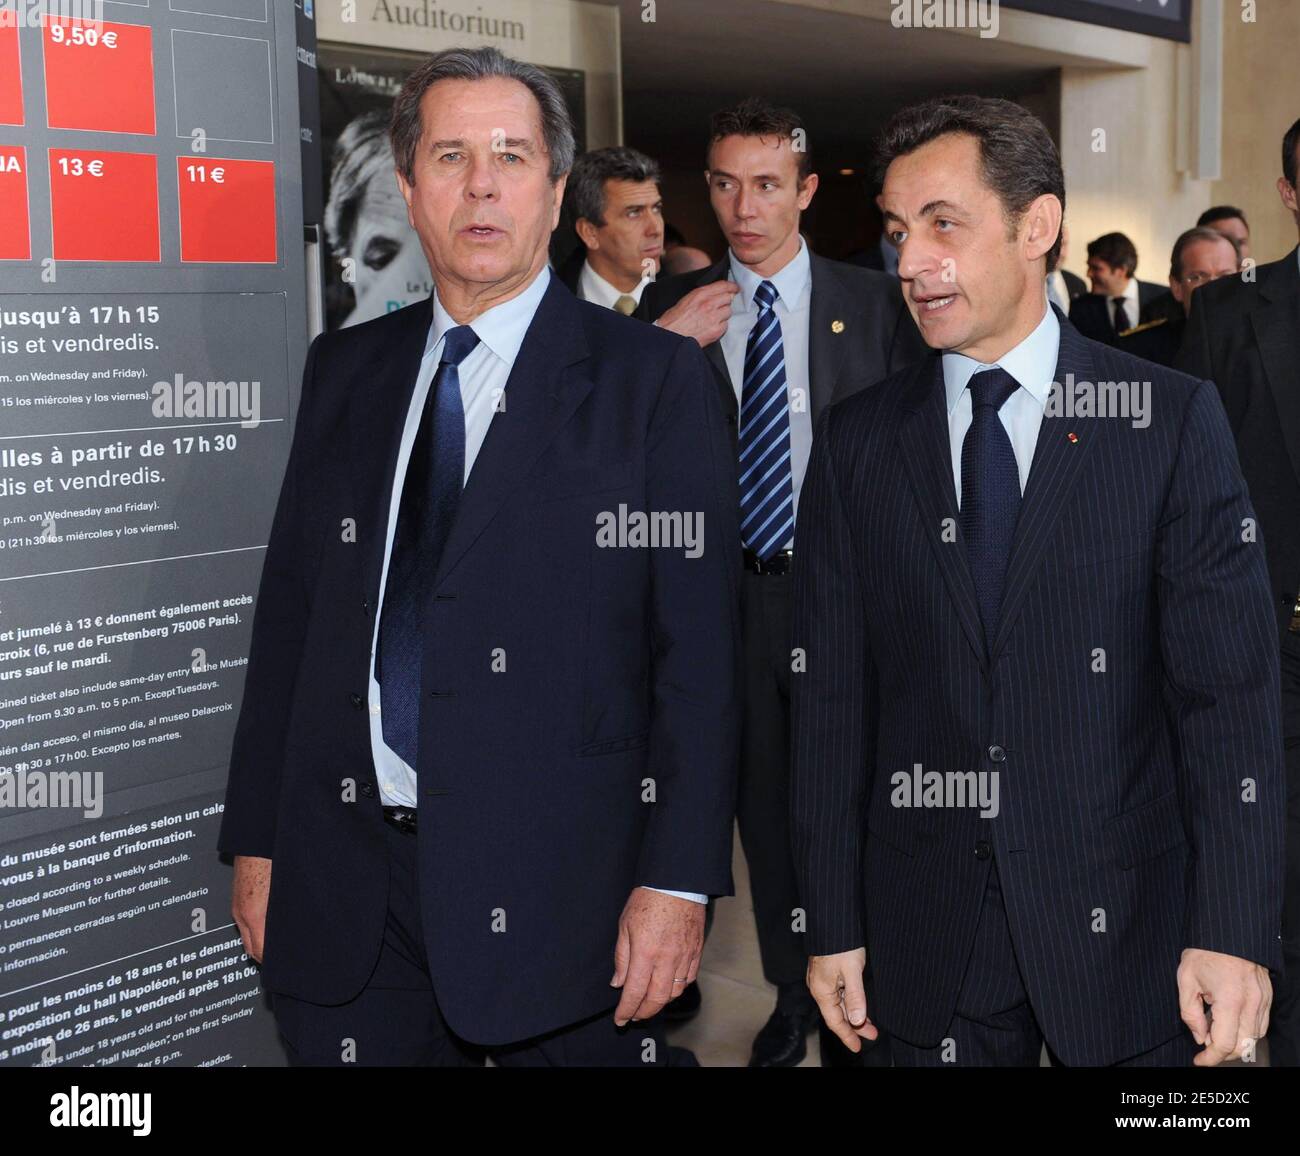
[[1037, 752], [483, 774]]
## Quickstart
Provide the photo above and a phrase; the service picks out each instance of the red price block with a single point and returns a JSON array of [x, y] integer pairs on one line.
[[227, 209], [99, 76], [15, 235], [11, 77], [104, 205]]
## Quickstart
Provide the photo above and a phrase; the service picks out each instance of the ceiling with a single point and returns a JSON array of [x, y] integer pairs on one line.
[[843, 73]]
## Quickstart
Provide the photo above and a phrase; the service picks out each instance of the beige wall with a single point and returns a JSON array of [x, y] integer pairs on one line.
[[1131, 186], [1261, 100]]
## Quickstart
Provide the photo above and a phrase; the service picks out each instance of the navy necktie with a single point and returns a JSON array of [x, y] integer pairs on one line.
[[1121, 315], [430, 493], [990, 492], [766, 483]]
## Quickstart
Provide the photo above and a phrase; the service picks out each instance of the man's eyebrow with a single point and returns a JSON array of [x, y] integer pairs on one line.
[[932, 207], [514, 143]]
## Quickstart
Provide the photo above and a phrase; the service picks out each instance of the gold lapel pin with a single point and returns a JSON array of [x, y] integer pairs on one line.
[[837, 326]]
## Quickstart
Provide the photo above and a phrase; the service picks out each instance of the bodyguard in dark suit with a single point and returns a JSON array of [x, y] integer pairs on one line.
[[1246, 336], [1037, 761], [487, 742], [787, 333]]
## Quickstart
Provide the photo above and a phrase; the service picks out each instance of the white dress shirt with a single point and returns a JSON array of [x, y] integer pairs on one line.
[[1132, 304], [1033, 364], [594, 288], [483, 376], [793, 285]]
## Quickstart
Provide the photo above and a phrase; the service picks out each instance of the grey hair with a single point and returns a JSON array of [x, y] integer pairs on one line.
[[480, 64], [585, 192]]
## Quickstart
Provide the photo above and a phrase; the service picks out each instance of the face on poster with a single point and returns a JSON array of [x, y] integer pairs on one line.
[[376, 263]]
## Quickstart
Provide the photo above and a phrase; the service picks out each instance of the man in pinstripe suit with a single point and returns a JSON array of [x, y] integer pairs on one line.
[[1037, 757]]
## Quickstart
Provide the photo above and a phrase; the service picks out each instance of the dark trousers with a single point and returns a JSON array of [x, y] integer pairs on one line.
[[763, 798], [396, 1022], [1284, 1019], [994, 1025]]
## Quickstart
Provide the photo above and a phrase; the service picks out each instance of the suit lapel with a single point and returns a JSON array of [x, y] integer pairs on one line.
[[541, 394], [1276, 321], [1057, 464], [826, 324], [721, 271], [924, 440], [377, 417]]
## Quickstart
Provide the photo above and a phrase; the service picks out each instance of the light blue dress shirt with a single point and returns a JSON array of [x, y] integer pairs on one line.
[[793, 285], [483, 376], [1033, 364]]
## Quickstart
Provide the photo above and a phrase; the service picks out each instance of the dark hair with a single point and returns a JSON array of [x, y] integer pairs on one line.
[[1116, 250], [753, 116], [1199, 233], [480, 64], [1289, 144], [361, 155], [584, 195], [1222, 213], [1018, 158]]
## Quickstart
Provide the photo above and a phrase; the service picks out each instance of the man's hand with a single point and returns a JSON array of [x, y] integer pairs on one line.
[[836, 984], [660, 938], [248, 894], [703, 313], [1239, 993]]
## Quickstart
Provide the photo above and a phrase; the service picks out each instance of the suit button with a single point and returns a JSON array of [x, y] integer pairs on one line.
[[982, 849], [356, 700], [997, 754], [365, 607], [731, 419], [368, 789]]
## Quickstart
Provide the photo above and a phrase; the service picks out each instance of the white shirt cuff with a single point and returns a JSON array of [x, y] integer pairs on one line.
[[693, 896]]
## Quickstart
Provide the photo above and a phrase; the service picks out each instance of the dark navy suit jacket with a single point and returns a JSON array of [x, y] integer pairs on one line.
[[600, 759], [1128, 702]]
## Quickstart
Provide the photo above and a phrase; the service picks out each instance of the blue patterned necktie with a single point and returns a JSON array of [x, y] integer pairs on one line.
[[430, 493], [766, 484], [990, 492]]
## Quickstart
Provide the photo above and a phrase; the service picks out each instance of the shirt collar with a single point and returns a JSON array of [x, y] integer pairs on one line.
[[500, 328], [790, 282], [600, 292], [1130, 293], [1032, 363]]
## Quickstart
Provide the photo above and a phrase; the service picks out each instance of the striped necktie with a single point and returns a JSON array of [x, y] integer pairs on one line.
[[766, 484], [435, 474]]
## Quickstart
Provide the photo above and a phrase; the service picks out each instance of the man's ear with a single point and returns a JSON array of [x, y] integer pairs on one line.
[[1042, 225], [559, 188], [587, 233], [1287, 192], [806, 191], [407, 191]]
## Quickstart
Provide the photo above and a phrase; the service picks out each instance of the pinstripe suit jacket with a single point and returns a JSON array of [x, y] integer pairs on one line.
[[1128, 702]]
